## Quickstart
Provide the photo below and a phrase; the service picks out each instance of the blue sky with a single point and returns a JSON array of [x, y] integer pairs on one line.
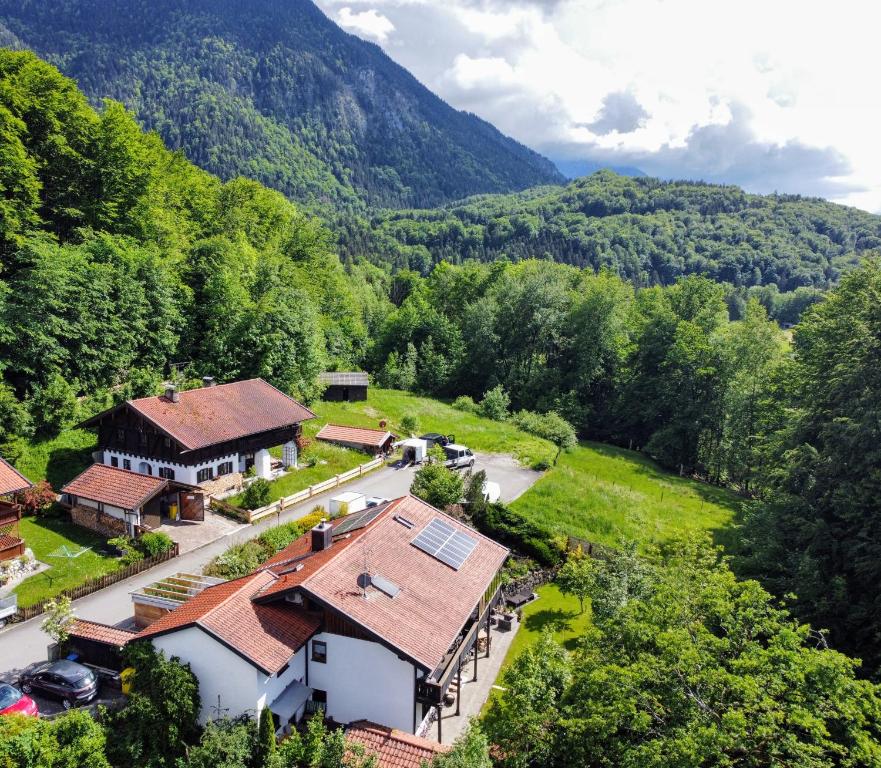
[[771, 95]]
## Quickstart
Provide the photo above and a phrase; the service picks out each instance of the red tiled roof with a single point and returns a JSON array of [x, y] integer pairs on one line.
[[266, 635], [211, 415], [334, 433], [116, 487], [11, 480], [435, 601], [101, 633], [393, 748]]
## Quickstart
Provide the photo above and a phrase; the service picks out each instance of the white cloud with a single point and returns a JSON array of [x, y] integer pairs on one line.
[[770, 95], [369, 24]]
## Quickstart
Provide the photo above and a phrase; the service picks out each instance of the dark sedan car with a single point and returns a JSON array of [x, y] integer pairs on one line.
[[66, 680]]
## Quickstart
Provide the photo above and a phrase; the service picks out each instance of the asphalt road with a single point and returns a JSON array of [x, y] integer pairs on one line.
[[22, 644]]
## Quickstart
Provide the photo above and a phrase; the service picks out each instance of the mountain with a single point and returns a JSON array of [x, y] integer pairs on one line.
[[277, 92], [650, 231]]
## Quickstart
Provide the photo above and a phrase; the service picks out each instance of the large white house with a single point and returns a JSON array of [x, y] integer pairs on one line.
[[370, 617], [199, 435]]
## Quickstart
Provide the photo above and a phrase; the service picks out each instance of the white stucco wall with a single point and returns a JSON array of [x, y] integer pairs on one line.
[[220, 672], [182, 473], [271, 687], [364, 680]]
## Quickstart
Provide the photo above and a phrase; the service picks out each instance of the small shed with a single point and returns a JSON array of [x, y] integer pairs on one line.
[[11, 482], [344, 386], [99, 644], [155, 600], [116, 502], [372, 441]]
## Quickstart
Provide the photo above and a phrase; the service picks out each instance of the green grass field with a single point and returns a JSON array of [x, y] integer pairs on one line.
[[331, 460], [46, 535], [476, 432], [58, 460], [603, 494]]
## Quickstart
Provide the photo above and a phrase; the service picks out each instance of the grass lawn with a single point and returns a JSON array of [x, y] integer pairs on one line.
[[602, 493], [477, 433], [45, 535], [332, 460], [58, 460]]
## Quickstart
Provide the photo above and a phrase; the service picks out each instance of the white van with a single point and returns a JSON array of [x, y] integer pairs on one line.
[[458, 456]]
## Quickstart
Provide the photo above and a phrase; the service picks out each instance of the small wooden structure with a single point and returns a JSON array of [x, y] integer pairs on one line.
[[11, 544], [350, 386], [155, 600], [371, 441]]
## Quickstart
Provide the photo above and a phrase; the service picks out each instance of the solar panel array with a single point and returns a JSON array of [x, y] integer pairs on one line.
[[358, 520], [445, 543]]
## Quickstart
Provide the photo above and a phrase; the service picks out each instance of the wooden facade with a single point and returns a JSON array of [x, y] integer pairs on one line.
[[11, 544], [126, 431]]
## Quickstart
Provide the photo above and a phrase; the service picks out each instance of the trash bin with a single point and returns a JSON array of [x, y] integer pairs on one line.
[[172, 511], [126, 679]]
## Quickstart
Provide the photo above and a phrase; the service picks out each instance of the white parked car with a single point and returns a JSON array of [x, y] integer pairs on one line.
[[492, 492], [458, 456]]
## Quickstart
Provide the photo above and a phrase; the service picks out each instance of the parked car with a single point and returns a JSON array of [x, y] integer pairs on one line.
[[14, 702], [66, 680], [458, 456], [435, 438], [375, 501]]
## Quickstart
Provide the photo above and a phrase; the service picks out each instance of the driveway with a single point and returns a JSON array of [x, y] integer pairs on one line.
[[25, 643]]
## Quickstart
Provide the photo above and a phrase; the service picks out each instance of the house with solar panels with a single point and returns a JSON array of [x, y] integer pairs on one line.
[[374, 616]]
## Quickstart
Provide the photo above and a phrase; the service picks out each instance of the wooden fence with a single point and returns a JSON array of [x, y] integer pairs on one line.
[[97, 583], [277, 507]]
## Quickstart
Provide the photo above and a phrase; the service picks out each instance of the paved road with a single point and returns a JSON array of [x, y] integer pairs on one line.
[[25, 643]]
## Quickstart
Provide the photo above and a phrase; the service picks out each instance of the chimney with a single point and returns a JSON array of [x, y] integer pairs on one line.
[[207, 381], [322, 536], [171, 394]]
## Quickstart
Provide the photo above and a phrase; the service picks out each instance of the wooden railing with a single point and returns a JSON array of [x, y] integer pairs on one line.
[[277, 507], [97, 583]]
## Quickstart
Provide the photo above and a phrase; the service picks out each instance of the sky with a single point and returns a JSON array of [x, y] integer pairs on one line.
[[772, 95]]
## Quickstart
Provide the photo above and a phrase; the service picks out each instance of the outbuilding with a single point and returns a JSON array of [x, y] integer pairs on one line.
[[345, 386], [117, 502], [372, 441]]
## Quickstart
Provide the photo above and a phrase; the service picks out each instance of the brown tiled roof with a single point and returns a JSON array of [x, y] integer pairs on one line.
[[266, 635], [211, 415], [114, 486], [393, 748], [101, 633], [434, 602], [11, 480], [335, 433], [344, 378]]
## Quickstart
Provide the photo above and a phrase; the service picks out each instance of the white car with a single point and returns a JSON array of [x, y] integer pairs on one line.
[[492, 492], [458, 456]]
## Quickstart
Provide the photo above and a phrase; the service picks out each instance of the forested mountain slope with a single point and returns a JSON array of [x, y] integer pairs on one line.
[[649, 231], [277, 92]]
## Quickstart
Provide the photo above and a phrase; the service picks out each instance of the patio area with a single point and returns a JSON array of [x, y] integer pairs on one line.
[[192, 534], [473, 693]]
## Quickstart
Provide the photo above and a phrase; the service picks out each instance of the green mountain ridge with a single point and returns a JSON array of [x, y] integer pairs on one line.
[[278, 93], [646, 230]]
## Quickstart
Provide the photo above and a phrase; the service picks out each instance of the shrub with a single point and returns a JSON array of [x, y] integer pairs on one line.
[[551, 426], [239, 560], [409, 424], [155, 543], [275, 539], [257, 494], [54, 405], [437, 485], [495, 404], [541, 466], [36, 499], [465, 403], [508, 527]]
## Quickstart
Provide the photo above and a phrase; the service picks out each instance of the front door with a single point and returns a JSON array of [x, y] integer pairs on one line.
[[192, 506]]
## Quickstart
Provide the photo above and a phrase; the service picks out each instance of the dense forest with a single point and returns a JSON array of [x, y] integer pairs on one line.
[[645, 230], [278, 93]]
